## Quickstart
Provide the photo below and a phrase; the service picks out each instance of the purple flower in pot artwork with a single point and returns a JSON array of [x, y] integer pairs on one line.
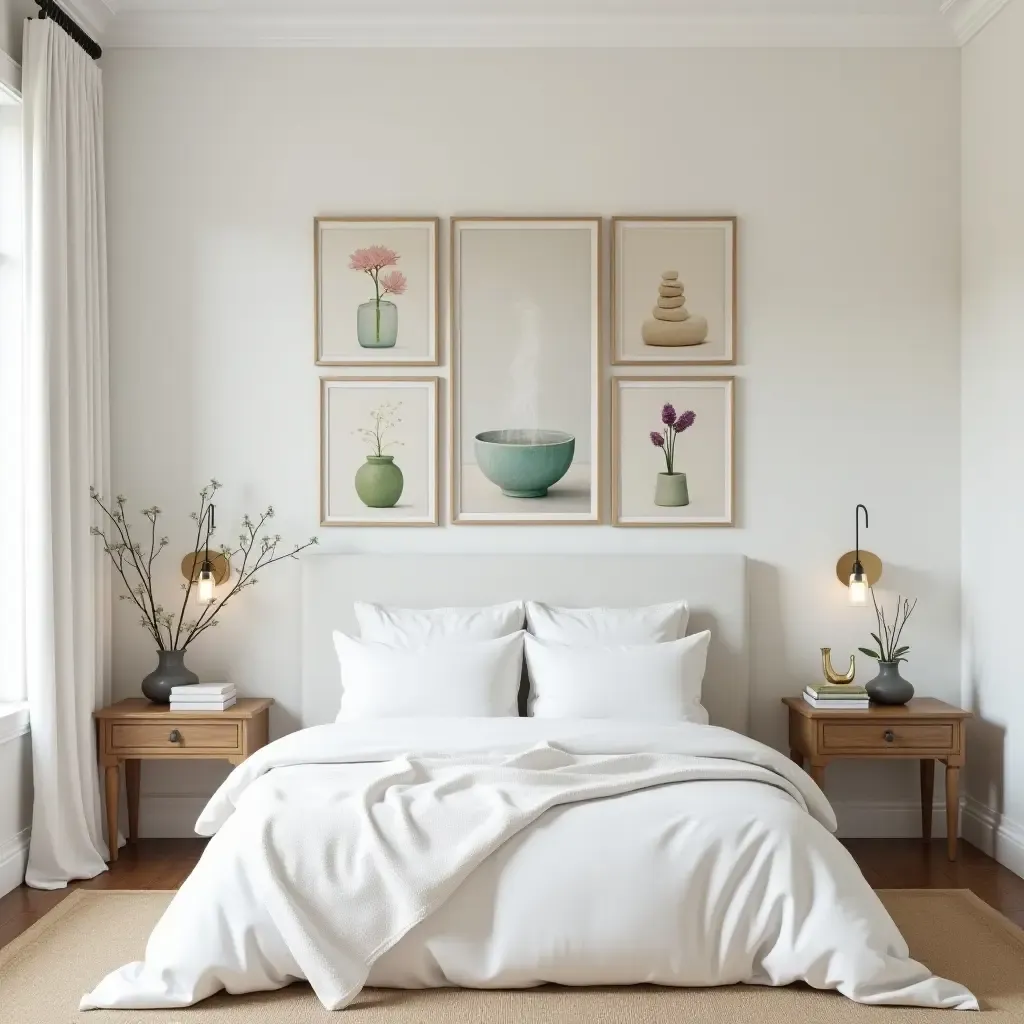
[[671, 489]]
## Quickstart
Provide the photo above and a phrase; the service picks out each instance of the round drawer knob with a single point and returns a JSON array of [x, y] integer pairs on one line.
[[175, 736], [889, 736]]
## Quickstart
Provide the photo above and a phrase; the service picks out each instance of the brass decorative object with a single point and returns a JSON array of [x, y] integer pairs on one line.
[[830, 673], [192, 563]]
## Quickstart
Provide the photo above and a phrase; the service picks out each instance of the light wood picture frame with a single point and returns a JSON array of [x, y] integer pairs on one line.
[[526, 370], [674, 287], [376, 291], [379, 451], [689, 422]]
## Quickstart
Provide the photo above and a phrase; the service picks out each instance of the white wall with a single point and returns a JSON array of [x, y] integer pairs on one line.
[[12, 18], [993, 427], [843, 167], [15, 796]]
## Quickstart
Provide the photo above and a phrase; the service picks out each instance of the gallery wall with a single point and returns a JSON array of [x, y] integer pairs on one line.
[[843, 169], [993, 429]]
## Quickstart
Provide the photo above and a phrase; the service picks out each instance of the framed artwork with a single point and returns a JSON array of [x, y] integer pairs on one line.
[[673, 451], [378, 451], [673, 290], [526, 364], [376, 285]]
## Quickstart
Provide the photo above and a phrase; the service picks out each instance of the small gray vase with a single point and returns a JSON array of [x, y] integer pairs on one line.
[[671, 491], [169, 672], [889, 687]]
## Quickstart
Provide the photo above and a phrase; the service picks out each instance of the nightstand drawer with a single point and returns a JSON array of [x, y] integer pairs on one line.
[[880, 736], [175, 736]]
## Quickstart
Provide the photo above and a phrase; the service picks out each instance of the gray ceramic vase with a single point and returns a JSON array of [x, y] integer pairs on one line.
[[889, 687], [169, 672], [671, 490]]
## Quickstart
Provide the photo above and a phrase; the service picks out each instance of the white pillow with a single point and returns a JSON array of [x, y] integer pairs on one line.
[[468, 680], [640, 681], [654, 624], [417, 627]]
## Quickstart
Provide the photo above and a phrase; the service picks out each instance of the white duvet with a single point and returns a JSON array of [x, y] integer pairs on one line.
[[513, 852]]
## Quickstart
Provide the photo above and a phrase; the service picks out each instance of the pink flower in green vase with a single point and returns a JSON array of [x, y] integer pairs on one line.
[[371, 261], [393, 283], [373, 258]]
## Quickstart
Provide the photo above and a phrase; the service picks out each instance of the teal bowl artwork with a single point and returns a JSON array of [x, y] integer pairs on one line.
[[524, 463]]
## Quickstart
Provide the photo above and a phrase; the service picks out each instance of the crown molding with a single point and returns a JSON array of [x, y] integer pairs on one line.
[[968, 17], [94, 16], [220, 28]]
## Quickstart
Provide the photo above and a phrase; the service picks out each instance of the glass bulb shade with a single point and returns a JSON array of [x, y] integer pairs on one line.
[[859, 589], [204, 592]]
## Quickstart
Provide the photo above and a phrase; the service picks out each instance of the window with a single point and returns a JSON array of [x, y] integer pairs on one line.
[[12, 674]]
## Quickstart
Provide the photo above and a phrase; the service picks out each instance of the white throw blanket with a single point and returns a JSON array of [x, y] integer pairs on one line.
[[320, 871]]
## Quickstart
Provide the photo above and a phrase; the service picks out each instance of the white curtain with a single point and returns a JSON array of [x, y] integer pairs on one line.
[[66, 448]]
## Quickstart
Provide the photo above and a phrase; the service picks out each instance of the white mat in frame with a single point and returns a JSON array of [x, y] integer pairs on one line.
[[670, 468], [673, 298], [526, 337], [379, 451]]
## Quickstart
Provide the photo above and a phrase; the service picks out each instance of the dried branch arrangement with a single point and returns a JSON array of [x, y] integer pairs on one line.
[[133, 562], [888, 636]]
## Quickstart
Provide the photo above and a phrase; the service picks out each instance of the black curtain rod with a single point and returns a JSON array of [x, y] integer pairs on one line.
[[48, 9]]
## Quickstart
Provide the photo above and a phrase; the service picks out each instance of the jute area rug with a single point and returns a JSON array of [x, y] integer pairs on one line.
[[44, 972]]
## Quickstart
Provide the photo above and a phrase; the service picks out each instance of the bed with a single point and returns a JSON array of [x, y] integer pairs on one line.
[[512, 852]]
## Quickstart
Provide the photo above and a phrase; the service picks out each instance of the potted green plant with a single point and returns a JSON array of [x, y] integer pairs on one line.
[[889, 687]]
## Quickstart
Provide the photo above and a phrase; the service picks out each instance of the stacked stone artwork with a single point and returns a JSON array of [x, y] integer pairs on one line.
[[673, 326]]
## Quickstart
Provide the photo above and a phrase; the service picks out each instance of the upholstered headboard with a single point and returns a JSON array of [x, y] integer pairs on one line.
[[714, 585]]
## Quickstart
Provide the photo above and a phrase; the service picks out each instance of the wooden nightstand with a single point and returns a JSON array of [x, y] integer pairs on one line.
[[925, 729], [134, 730]]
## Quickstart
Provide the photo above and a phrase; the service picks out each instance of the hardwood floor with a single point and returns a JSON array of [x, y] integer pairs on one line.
[[886, 863]]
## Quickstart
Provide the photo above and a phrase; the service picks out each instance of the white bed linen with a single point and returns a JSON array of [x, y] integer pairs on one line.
[[707, 861], [649, 682], [475, 678]]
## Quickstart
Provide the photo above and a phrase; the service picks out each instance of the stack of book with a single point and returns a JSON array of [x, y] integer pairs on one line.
[[203, 697], [837, 696]]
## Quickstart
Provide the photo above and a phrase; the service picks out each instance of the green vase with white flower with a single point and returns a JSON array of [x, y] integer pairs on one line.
[[379, 481]]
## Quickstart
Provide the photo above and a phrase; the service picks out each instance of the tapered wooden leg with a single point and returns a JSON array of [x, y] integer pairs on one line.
[[818, 774], [927, 796], [112, 782], [132, 780], [952, 809], [796, 757]]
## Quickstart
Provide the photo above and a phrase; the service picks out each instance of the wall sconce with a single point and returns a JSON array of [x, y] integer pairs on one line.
[[206, 568], [859, 570]]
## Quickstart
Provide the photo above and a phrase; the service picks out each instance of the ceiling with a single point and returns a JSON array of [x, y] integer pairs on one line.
[[562, 23]]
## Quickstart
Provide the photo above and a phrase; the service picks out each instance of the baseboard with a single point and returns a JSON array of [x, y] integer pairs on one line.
[[169, 816], [994, 834], [174, 817], [13, 861], [881, 819]]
